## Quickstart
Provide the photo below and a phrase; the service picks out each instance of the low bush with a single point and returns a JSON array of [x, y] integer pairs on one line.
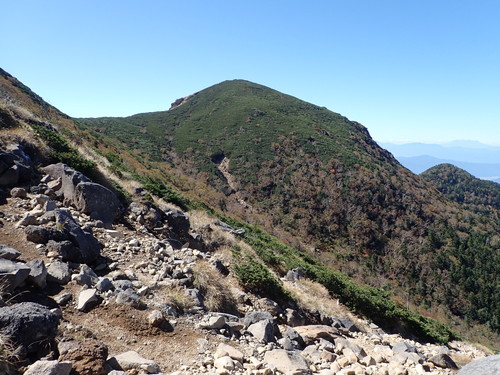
[[162, 190], [63, 152], [256, 277]]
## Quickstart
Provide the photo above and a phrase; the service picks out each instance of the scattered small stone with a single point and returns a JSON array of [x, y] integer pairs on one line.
[[63, 299], [104, 284], [18, 192], [214, 322], [227, 350]]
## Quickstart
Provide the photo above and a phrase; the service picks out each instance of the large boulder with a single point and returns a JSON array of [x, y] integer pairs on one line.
[[263, 331], [179, 223], [42, 235], [29, 325], [97, 201], [69, 180], [91, 198]]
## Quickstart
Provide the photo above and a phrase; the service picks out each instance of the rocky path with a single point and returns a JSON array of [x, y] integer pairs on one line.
[[97, 295]]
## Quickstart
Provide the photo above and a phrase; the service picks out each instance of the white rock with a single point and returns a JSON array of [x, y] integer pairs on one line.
[[343, 362], [43, 367], [155, 318], [368, 361], [134, 242], [214, 322], [85, 298], [224, 350], [286, 362], [132, 360], [225, 362], [142, 291]]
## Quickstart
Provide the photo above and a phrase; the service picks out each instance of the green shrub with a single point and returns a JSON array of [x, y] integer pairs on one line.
[[373, 303], [162, 190], [63, 152], [255, 277]]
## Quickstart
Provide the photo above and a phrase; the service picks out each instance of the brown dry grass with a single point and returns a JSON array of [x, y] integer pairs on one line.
[[176, 297], [214, 287], [8, 355], [312, 295]]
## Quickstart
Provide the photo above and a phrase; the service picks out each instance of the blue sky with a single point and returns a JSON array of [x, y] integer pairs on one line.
[[408, 70]]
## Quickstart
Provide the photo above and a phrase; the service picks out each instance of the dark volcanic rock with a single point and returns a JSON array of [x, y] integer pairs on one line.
[[59, 273], [66, 249], [38, 273], [91, 198], [29, 324], [89, 248], [444, 361], [15, 167], [7, 252], [42, 235], [97, 201], [256, 316], [179, 223]]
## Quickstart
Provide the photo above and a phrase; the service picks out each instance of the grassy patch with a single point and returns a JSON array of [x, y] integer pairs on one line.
[[256, 277], [162, 190], [214, 288], [63, 152]]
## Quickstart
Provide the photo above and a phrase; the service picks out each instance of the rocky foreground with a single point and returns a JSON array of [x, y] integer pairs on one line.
[[91, 287]]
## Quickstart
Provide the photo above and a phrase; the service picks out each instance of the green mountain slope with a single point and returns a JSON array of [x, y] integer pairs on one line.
[[460, 186], [315, 180], [319, 182]]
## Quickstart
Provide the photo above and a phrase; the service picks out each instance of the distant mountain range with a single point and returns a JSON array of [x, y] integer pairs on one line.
[[481, 160]]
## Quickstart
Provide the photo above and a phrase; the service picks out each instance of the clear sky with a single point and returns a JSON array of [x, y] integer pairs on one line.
[[426, 70]]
